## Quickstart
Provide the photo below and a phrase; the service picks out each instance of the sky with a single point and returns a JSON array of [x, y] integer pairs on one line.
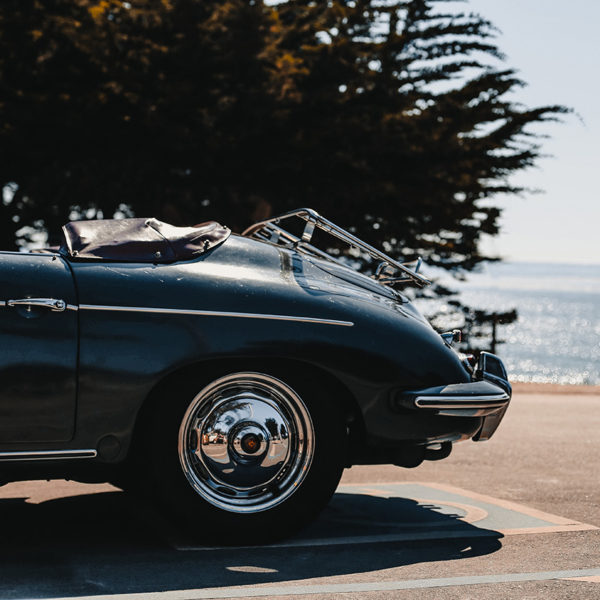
[[555, 47]]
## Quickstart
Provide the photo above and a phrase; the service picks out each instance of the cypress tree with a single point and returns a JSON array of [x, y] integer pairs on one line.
[[391, 117]]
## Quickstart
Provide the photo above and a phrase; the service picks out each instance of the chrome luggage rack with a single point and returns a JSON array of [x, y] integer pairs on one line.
[[388, 271]]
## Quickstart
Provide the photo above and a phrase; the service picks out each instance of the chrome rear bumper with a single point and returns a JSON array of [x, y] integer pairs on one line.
[[474, 399], [487, 396]]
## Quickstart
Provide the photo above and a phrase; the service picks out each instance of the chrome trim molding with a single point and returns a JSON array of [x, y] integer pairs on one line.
[[495, 401], [214, 313], [47, 455], [67, 306], [53, 304]]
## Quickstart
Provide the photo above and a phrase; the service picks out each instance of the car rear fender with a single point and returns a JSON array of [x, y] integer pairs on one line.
[[192, 377]]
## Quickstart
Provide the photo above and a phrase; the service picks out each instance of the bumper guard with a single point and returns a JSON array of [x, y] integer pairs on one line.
[[487, 395]]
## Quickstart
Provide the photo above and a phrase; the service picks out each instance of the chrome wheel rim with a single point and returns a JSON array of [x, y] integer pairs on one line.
[[246, 442]]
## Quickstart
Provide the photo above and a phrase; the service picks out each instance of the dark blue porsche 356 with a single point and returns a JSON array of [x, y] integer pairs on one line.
[[229, 378]]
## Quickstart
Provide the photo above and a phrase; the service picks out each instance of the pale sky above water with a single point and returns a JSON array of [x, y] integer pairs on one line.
[[555, 46]]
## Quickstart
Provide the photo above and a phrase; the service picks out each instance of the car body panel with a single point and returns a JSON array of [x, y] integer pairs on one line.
[[246, 301], [38, 351]]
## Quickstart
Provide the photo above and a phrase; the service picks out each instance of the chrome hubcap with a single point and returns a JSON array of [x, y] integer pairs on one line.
[[246, 442]]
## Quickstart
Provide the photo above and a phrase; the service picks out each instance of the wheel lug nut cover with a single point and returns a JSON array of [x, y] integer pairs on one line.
[[250, 443]]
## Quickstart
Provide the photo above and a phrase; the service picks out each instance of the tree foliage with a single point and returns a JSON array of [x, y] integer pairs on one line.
[[392, 117]]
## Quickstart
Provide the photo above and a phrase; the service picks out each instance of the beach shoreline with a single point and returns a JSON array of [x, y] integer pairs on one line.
[[554, 388]]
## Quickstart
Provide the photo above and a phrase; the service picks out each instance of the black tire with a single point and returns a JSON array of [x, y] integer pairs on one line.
[[246, 459]]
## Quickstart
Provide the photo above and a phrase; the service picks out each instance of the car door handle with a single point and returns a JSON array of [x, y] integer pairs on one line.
[[51, 303]]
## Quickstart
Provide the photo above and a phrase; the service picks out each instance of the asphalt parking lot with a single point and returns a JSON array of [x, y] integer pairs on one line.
[[515, 517]]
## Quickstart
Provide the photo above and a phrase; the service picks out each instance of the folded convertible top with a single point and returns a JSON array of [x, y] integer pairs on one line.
[[139, 240]]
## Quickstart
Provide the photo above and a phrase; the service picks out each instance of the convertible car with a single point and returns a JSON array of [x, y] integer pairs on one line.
[[228, 379]]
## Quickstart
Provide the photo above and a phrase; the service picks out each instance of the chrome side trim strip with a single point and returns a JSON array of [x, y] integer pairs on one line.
[[495, 401], [47, 455], [214, 313]]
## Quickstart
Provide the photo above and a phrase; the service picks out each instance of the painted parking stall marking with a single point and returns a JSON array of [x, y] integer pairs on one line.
[[398, 512], [271, 591], [590, 579], [521, 519]]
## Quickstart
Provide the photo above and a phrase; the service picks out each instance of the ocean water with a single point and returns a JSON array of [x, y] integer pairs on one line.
[[556, 338]]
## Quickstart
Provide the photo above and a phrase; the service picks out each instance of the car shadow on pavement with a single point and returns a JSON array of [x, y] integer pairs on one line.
[[103, 544]]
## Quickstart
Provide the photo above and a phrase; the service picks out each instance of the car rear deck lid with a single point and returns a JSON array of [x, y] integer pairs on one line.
[[139, 240]]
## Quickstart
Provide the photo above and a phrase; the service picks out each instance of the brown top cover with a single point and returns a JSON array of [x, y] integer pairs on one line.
[[139, 240]]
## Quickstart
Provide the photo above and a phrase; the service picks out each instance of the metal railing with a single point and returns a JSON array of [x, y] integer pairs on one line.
[[388, 271]]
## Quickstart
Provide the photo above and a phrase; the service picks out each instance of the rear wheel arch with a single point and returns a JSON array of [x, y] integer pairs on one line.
[[205, 371], [185, 402]]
